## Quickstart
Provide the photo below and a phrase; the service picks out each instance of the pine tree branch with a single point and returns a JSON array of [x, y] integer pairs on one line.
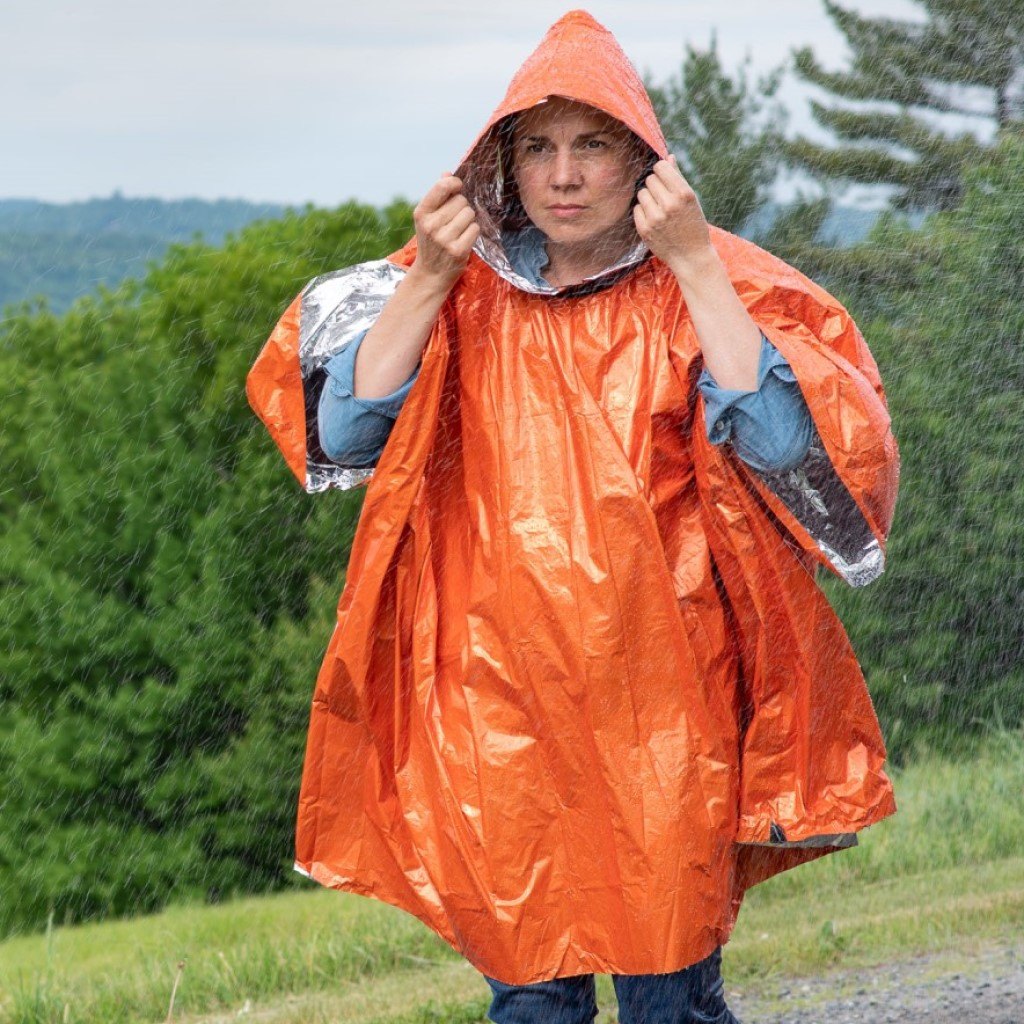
[[879, 83], [901, 129]]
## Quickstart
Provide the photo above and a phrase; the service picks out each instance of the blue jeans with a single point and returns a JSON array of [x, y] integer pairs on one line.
[[693, 995]]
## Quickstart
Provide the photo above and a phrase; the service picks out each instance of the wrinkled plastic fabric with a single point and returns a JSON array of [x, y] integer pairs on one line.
[[584, 690]]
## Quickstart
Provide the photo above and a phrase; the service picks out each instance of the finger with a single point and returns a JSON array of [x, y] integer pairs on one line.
[[668, 172], [640, 221], [451, 206], [436, 222], [440, 193], [468, 237], [447, 209], [465, 242], [651, 208], [658, 189], [456, 225]]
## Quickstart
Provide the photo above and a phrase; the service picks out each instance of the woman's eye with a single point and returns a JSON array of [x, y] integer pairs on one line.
[[596, 142], [534, 147]]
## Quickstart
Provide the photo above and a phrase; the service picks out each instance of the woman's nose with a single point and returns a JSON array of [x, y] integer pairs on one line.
[[566, 169]]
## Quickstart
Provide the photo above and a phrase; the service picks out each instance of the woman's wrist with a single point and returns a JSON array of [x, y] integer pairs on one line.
[[696, 269], [431, 285]]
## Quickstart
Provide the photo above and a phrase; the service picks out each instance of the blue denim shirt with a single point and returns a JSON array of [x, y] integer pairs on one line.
[[770, 428]]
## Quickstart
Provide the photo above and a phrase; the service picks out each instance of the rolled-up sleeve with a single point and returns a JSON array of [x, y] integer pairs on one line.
[[353, 430], [771, 427]]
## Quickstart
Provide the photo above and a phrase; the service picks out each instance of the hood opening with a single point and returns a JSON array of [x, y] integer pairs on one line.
[[489, 185]]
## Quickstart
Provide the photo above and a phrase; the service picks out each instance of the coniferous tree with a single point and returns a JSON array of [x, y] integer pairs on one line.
[[940, 634], [923, 68], [725, 133]]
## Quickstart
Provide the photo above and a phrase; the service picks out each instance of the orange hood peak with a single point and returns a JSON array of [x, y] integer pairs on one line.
[[580, 59]]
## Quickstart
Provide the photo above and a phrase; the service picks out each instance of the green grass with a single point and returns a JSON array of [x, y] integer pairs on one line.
[[944, 871]]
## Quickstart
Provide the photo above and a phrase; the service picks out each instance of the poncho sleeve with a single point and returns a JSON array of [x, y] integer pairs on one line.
[[287, 379], [837, 504], [811, 744]]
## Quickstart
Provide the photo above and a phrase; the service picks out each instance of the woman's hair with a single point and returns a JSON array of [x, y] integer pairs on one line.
[[511, 215]]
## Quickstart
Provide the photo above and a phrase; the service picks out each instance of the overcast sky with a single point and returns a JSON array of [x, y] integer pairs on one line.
[[320, 101]]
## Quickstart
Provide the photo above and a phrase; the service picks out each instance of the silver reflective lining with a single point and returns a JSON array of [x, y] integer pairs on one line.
[[842, 839], [335, 308], [492, 252], [817, 497]]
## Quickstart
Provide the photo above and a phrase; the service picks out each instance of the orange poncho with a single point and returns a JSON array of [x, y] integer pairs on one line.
[[584, 690]]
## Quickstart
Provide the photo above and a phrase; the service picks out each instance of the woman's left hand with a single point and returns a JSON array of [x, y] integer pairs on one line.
[[669, 219]]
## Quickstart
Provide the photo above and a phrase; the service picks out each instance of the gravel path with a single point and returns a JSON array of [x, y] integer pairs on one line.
[[982, 986]]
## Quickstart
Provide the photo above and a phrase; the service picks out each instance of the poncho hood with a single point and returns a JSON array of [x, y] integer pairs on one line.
[[584, 689], [578, 59]]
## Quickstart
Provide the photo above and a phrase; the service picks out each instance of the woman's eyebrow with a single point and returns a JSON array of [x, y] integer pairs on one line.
[[582, 135]]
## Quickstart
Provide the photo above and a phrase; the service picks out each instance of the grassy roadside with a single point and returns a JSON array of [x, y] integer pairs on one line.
[[943, 870]]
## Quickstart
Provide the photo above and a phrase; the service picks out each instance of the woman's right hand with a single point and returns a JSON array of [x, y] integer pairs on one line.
[[446, 231]]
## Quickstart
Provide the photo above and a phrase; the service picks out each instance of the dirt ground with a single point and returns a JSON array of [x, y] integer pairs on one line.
[[980, 986]]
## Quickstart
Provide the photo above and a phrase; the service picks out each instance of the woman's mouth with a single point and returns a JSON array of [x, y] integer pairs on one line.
[[568, 210]]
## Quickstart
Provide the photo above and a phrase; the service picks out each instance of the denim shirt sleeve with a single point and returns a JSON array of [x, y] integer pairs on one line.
[[771, 428], [353, 431]]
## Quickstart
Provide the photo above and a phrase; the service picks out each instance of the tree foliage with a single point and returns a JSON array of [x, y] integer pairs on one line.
[[166, 586], [941, 633], [724, 132], [922, 69]]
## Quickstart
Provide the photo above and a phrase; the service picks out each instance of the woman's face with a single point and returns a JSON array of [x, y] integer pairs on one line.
[[576, 169]]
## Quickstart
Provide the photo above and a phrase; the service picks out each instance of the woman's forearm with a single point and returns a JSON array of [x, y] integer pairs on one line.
[[394, 344], [728, 336]]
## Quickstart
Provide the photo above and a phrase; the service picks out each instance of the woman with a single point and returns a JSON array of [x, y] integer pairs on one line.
[[584, 690]]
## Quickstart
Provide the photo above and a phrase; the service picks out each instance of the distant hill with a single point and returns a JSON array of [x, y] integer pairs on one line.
[[64, 250]]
